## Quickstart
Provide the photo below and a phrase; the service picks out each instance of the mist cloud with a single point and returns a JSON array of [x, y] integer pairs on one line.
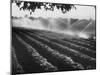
[[59, 25]]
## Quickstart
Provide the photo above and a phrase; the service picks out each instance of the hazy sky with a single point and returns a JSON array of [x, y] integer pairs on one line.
[[82, 12]]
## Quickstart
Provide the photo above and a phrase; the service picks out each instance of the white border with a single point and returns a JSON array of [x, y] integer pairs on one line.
[[5, 37]]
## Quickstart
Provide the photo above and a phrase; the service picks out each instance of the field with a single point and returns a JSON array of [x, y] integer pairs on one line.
[[38, 51]]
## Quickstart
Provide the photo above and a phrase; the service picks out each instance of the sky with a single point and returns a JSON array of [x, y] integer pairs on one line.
[[81, 12]]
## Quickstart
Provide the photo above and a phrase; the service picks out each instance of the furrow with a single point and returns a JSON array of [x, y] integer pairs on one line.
[[86, 60], [31, 60], [63, 62], [71, 45], [16, 67]]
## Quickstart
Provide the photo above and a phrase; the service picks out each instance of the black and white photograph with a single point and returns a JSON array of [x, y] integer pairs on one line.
[[52, 37]]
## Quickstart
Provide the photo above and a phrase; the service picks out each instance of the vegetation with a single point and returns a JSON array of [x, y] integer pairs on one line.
[[32, 6]]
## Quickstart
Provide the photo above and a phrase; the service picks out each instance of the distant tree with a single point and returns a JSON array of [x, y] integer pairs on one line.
[[31, 6], [92, 37], [73, 20]]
